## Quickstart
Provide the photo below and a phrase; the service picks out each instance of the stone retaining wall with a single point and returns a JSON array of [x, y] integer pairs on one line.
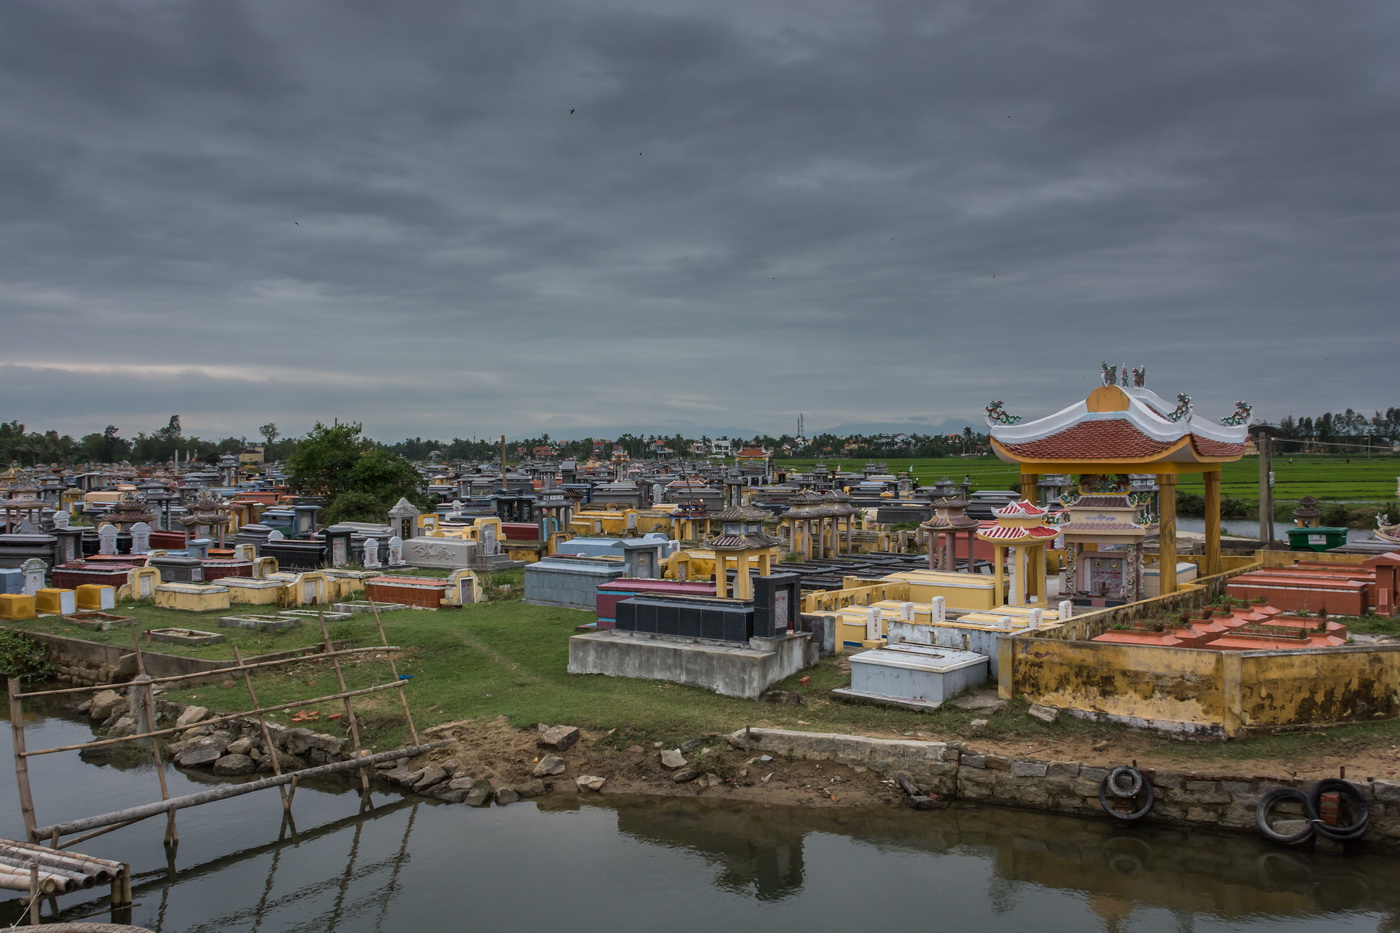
[[89, 663], [946, 768]]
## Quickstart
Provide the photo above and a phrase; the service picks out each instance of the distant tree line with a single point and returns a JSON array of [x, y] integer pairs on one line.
[[1346, 430]]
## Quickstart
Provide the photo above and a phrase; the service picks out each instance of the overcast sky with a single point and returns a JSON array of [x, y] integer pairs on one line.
[[470, 218]]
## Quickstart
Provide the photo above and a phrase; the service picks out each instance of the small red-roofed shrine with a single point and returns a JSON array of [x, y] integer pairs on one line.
[[1018, 542], [1126, 428]]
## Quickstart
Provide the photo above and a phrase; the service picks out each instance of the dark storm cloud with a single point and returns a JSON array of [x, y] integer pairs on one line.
[[290, 211]]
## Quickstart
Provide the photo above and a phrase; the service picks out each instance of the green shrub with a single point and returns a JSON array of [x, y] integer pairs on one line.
[[23, 657]]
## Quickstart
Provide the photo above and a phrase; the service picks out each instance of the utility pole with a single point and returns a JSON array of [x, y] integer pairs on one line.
[[503, 461], [1266, 486]]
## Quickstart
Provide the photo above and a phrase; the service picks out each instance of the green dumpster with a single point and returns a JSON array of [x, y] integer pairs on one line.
[[1322, 538]]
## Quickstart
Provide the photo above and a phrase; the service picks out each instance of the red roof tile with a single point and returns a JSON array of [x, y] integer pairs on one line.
[[1091, 440], [1209, 448]]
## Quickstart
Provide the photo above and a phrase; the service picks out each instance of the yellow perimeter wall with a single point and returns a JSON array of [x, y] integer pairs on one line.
[[1192, 690]]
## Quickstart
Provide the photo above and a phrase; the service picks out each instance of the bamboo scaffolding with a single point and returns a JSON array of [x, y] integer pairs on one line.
[[271, 749], [147, 695], [229, 790], [393, 669], [255, 665], [210, 721], [345, 700], [26, 798]]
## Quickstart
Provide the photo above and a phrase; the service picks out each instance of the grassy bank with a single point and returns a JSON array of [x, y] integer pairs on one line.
[[508, 659]]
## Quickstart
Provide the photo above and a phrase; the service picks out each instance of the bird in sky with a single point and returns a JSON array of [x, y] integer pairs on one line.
[[571, 110]]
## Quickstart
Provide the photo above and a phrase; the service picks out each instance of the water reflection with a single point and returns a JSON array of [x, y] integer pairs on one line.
[[380, 862]]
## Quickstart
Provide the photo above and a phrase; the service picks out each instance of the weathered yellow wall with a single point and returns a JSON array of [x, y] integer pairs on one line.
[[1269, 559], [1337, 685], [1137, 683], [1225, 692], [831, 600], [963, 592]]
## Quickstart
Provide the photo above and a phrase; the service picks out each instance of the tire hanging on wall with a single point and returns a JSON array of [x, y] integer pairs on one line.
[[1272, 799], [1107, 796], [1359, 806], [1117, 788]]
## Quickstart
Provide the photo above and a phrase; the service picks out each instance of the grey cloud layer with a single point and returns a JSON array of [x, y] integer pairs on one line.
[[863, 212]]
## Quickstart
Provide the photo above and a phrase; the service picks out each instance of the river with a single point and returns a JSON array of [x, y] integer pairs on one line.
[[391, 863]]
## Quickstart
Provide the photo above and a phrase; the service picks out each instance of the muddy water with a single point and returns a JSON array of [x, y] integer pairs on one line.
[[394, 863]]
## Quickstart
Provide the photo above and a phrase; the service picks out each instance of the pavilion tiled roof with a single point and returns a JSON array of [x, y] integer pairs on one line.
[[1121, 423], [1012, 533], [1093, 440]]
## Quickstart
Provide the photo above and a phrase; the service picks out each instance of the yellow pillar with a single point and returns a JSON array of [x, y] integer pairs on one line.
[[743, 584], [1166, 533], [1212, 478], [1028, 490], [721, 587], [999, 569]]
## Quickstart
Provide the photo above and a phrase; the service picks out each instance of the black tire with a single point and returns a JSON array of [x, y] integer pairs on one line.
[[1133, 815], [1134, 777], [1271, 800], [1359, 806]]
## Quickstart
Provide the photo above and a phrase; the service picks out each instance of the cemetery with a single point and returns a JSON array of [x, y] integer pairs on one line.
[[736, 578]]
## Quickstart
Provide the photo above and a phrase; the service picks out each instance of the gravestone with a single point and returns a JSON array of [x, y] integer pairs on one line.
[[33, 570], [489, 545], [198, 548], [60, 520], [140, 538], [403, 519], [938, 610], [372, 554], [396, 552], [107, 540]]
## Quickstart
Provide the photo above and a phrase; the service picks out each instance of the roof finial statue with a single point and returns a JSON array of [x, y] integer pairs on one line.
[[1182, 409], [1239, 416], [997, 415], [1123, 374], [1140, 376], [1110, 373]]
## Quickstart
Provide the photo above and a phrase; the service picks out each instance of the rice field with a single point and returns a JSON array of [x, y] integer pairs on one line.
[[1327, 477]]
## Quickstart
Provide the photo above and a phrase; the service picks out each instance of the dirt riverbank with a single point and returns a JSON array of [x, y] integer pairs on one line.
[[507, 756]]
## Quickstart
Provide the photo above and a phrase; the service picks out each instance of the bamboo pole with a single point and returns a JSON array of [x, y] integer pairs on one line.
[[393, 669], [172, 835], [15, 879], [345, 700], [230, 790], [34, 895], [255, 665], [94, 834], [22, 854], [262, 728], [214, 719], [26, 799]]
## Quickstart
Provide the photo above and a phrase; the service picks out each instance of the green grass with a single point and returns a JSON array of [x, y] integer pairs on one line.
[[1365, 484], [149, 616], [508, 659]]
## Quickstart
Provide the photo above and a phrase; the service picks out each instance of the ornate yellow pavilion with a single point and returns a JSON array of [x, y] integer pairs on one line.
[[1126, 428], [743, 544]]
